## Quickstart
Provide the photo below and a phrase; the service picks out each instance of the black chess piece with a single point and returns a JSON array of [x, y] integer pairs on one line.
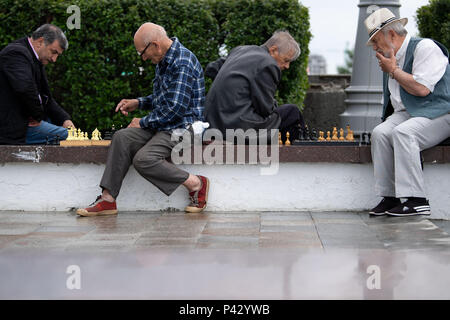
[[113, 130], [306, 134], [107, 135], [57, 140], [362, 138], [313, 136], [301, 133]]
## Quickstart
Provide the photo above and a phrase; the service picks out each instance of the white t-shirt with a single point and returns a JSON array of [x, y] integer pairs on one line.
[[428, 68]]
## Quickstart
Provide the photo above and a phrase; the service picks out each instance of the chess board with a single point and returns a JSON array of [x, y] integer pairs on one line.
[[77, 138], [332, 137], [324, 143], [81, 143]]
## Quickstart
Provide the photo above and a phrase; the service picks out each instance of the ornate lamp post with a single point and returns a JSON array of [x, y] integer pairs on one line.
[[365, 93]]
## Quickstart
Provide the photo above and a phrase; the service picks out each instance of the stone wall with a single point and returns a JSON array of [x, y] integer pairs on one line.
[[325, 101]]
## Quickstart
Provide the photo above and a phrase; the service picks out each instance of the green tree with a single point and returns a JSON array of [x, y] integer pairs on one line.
[[252, 22], [433, 21], [101, 66], [348, 67]]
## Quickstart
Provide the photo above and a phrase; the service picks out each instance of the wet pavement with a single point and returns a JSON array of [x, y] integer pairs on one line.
[[239, 255]]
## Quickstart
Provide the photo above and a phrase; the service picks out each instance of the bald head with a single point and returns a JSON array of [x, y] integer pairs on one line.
[[151, 42], [150, 32]]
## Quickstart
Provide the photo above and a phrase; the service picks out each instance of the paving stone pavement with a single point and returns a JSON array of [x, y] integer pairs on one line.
[[239, 255], [243, 230]]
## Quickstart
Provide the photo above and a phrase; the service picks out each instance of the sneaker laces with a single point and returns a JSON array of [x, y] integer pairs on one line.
[[98, 198], [194, 198]]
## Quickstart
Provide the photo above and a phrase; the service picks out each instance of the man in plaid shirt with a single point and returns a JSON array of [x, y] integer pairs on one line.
[[176, 102]]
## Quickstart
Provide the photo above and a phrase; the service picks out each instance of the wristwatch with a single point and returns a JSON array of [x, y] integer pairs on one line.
[[391, 74]]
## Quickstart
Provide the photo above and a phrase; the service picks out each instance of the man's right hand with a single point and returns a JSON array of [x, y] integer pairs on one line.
[[127, 105]]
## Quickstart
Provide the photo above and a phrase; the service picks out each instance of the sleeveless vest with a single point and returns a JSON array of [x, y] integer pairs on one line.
[[435, 104]]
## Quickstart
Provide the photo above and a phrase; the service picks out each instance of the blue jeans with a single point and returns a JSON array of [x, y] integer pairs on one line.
[[45, 132]]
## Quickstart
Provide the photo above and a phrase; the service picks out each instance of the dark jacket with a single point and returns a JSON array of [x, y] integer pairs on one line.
[[22, 81], [242, 94]]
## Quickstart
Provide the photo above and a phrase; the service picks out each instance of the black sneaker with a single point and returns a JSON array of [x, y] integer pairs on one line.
[[386, 204], [411, 208]]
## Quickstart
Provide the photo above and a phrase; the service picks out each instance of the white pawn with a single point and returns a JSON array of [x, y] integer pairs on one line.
[[70, 133]]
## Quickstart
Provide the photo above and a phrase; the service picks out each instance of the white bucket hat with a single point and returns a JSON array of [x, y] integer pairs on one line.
[[380, 19]]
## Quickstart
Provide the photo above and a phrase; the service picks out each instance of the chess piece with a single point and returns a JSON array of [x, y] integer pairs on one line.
[[86, 136], [335, 134], [301, 133], [363, 138], [341, 135], [95, 134], [321, 138], [350, 136], [287, 143], [279, 139], [78, 136], [307, 133], [70, 133], [313, 135], [328, 136], [347, 137]]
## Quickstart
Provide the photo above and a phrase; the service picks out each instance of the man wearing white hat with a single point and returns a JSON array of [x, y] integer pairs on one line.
[[416, 112]]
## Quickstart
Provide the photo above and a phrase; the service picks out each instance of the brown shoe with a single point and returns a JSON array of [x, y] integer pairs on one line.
[[199, 198], [99, 208]]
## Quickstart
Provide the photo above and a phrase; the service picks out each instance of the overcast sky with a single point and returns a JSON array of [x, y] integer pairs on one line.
[[334, 26]]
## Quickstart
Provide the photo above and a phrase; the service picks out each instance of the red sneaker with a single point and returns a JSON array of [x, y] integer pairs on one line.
[[199, 198], [99, 208]]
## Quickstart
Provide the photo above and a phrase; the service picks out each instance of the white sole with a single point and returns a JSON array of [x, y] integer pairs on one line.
[[423, 213], [377, 214], [85, 213]]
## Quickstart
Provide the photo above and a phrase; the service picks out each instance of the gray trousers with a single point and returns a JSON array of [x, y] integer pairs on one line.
[[396, 146], [147, 151]]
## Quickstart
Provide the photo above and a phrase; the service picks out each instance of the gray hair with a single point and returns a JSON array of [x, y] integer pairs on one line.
[[397, 27], [50, 33], [285, 43]]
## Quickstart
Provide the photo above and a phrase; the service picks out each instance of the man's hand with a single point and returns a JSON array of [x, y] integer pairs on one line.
[[127, 105], [68, 124], [134, 123], [387, 64], [406, 80]]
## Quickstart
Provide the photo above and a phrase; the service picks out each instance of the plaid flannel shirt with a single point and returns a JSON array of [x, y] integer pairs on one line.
[[178, 91]]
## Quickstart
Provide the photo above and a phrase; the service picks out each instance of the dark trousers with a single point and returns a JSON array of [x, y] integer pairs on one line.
[[291, 120], [147, 151]]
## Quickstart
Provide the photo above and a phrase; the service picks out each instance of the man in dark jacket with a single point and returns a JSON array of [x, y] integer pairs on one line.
[[28, 113], [242, 95]]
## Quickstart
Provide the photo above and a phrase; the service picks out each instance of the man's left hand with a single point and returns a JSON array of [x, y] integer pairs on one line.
[[68, 124], [134, 123], [387, 64]]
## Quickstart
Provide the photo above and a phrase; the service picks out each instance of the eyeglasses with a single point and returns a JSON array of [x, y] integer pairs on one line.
[[141, 53]]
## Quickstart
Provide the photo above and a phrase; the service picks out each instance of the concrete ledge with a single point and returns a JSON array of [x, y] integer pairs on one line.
[[287, 154], [308, 178]]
